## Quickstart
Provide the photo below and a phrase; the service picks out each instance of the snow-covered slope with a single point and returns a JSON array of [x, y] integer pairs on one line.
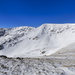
[[32, 42], [37, 66], [66, 52]]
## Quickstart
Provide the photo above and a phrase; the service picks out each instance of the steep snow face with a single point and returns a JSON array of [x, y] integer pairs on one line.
[[31, 42]]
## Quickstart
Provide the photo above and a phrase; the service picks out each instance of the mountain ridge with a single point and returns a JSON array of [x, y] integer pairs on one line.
[[30, 42]]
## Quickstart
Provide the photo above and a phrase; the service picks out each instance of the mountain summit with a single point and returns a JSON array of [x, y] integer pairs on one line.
[[32, 42]]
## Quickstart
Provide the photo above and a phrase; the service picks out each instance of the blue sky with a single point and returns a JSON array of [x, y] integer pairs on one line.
[[15, 13]]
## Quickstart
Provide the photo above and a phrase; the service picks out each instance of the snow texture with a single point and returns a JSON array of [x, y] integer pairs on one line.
[[32, 42], [45, 50], [36, 66]]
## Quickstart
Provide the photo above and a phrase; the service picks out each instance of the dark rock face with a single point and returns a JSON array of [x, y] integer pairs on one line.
[[1, 47], [2, 31], [3, 56]]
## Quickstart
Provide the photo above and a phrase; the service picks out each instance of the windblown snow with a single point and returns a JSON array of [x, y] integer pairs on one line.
[[32, 42]]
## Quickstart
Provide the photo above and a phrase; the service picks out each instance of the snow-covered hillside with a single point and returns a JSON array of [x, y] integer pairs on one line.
[[33, 42], [37, 66]]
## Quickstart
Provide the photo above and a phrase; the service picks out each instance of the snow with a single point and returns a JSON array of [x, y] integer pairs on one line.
[[36, 66], [46, 50], [68, 72], [32, 42]]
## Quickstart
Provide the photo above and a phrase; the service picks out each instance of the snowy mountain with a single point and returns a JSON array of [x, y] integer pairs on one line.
[[32, 42], [47, 50]]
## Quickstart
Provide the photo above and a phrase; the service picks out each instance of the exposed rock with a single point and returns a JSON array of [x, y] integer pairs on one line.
[[2, 31], [3, 56], [1, 47]]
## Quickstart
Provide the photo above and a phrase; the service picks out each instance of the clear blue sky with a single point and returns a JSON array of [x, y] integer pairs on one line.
[[15, 13]]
